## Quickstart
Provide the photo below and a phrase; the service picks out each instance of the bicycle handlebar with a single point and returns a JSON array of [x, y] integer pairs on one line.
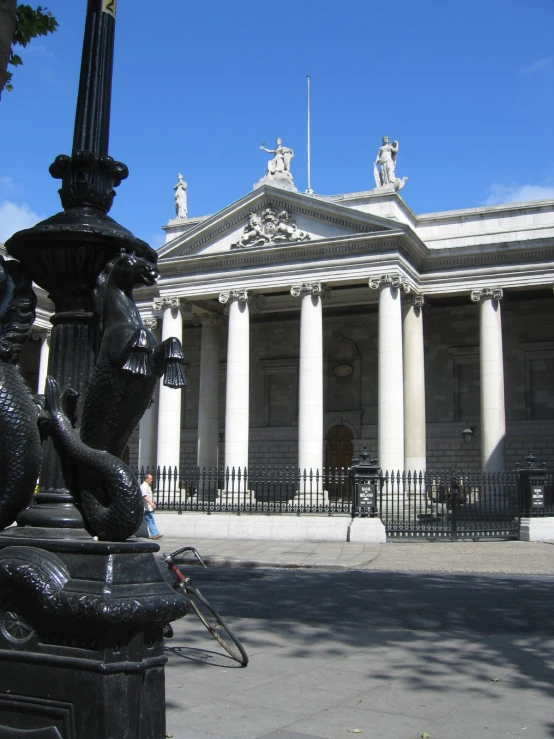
[[169, 557]]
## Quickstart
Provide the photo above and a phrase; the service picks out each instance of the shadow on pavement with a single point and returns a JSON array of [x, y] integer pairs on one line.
[[202, 656], [485, 635]]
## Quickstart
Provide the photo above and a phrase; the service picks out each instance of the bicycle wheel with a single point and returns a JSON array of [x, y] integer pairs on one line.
[[216, 625]]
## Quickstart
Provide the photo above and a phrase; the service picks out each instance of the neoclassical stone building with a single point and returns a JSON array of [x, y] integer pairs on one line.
[[314, 324]]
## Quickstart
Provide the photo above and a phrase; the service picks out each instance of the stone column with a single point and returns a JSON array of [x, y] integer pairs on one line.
[[414, 386], [493, 414], [310, 385], [390, 415], [169, 404], [208, 401], [43, 362], [238, 380], [148, 427]]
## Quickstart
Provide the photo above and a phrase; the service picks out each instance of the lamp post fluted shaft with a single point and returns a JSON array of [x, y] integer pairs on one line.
[[92, 118]]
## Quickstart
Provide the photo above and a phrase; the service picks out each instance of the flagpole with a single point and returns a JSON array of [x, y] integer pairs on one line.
[[309, 191]]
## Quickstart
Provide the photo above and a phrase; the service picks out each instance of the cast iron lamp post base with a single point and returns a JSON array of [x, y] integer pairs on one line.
[[81, 642]]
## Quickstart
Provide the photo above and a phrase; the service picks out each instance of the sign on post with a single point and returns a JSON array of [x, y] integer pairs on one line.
[[537, 496]]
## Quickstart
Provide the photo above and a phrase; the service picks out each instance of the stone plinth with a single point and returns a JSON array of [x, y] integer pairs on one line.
[[282, 181]]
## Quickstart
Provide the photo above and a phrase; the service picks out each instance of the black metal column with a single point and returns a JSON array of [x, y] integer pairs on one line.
[[81, 646]]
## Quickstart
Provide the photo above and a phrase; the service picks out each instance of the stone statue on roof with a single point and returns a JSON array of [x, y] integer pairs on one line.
[[278, 169], [180, 197], [280, 164], [386, 159]]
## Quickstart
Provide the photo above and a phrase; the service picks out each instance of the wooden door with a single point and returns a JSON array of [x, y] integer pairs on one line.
[[339, 453]]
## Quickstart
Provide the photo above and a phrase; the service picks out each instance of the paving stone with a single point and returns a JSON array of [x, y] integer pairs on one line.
[[341, 723], [231, 719], [479, 720], [509, 557]]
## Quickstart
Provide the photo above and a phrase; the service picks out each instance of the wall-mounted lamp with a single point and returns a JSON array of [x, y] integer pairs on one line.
[[467, 434]]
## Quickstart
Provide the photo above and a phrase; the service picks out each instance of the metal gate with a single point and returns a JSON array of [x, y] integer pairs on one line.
[[450, 505]]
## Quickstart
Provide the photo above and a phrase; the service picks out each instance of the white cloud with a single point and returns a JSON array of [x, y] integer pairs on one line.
[[8, 186], [500, 194], [537, 66], [14, 217]]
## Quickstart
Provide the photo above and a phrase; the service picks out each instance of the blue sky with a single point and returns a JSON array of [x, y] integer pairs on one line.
[[466, 89]]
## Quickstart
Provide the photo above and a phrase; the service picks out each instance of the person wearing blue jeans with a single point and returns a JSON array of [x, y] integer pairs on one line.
[[149, 505]]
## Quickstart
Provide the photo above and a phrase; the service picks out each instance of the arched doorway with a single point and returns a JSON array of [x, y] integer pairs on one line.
[[339, 451]]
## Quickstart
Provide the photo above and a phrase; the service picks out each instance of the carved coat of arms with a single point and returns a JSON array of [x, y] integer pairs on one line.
[[269, 228]]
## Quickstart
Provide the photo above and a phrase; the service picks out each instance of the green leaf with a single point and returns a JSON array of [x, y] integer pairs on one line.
[[30, 23], [425, 735]]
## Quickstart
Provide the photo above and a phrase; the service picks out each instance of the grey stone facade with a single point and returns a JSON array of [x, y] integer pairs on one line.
[[451, 332]]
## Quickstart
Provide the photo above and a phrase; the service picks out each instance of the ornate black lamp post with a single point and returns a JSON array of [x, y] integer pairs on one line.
[[82, 605]]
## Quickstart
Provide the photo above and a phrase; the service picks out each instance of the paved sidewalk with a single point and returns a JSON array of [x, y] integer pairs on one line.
[[387, 655], [509, 557]]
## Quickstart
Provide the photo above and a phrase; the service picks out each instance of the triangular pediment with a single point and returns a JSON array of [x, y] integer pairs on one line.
[[273, 217]]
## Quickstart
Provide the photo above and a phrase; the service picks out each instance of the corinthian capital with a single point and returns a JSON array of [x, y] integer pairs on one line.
[[40, 334], [313, 288], [389, 280], [240, 295], [170, 302], [487, 293], [417, 300]]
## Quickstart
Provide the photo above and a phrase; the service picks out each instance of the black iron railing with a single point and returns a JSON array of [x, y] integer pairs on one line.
[[451, 504], [258, 489], [439, 503]]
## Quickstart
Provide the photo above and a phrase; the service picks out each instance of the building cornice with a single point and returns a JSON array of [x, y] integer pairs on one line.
[[540, 250], [445, 215], [343, 247]]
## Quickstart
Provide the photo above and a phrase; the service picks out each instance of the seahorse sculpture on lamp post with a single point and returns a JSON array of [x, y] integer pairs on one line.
[[123, 381], [20, 450]]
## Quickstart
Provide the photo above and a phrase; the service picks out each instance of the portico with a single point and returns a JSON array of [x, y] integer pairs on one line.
[[412, 302]]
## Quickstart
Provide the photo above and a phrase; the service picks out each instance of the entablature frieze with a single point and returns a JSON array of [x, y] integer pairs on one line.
[[343, 248], [451, 275], [273, 284]]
